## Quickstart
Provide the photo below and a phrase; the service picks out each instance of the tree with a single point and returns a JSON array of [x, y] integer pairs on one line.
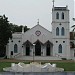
[[5, 34], [16, 28], [73, 25], [6, 30]]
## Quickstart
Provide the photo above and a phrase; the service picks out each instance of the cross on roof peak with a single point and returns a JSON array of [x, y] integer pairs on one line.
[[38, 22]]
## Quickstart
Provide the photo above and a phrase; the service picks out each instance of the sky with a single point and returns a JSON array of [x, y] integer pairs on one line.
[[27, 12]]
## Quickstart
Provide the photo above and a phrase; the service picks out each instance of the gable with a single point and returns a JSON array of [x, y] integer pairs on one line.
[[37, 33]]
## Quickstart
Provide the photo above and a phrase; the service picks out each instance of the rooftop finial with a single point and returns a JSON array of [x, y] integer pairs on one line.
[[38, 22], [53, 3]]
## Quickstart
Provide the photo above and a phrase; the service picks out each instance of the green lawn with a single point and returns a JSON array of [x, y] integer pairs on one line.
[[68, 66], [7, 64], [4, 64]]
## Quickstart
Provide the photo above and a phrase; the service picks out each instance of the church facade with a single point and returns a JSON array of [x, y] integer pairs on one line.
[[40, 44]]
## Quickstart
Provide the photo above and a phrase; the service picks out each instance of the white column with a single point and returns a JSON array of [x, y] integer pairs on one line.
[[33, 52], [68, 51], [41, 50]]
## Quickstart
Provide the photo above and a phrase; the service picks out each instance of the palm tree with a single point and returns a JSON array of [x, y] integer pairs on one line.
[[73, 25], [73, 29]]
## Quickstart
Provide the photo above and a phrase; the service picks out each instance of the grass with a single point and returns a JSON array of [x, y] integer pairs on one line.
[[4, 64], [68, 66]]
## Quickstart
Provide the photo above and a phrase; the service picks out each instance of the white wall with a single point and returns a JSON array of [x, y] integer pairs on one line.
[[64, 23]]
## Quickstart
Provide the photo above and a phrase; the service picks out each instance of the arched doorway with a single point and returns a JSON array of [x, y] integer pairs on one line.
[[27, 49], [48, 51], [38, 49]]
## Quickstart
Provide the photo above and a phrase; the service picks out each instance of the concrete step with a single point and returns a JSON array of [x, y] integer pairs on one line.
[[38, 58]]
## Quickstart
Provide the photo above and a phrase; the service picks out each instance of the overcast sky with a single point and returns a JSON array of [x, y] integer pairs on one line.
[[26, 12]]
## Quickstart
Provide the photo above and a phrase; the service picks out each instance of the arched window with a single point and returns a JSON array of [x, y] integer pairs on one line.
[[62, 16], [60, 48], [15, 48], [62, 31], [57, 31], [57, 15]]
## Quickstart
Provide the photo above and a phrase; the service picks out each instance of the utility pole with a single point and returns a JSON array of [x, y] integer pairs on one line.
[[33, 51]]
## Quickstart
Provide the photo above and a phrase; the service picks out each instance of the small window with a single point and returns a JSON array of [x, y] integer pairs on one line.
[[15, 48], [56, 41], [60, 48], [11, 52], [60, 24], [11, 40], [63, 41], [57, 31], [19, 41], [57, 15], [62, 16]]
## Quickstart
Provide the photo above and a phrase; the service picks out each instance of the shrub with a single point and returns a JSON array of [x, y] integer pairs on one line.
[[63, 58]]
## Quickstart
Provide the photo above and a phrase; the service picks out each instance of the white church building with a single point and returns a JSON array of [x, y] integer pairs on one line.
[[40, 44]]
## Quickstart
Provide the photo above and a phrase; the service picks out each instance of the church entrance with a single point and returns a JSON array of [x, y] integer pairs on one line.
[[38, 49], [48, 52], [27, 49]]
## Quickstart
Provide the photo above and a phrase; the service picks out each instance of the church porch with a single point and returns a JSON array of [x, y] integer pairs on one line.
[[37, 49]]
